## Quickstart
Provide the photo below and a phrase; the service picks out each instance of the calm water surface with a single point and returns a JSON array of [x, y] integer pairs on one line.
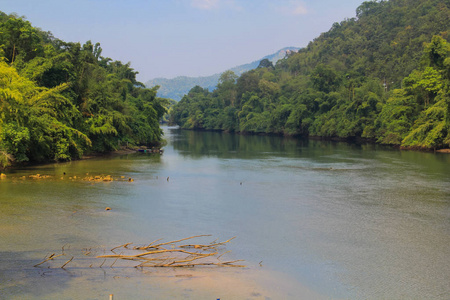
[[313, 220]]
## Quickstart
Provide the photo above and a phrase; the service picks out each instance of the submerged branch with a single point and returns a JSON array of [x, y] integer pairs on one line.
[[213, 245], [124, 246], [149, 253], [155, 255], [168, 243], [62, 267], [179, 256], [53, 256]]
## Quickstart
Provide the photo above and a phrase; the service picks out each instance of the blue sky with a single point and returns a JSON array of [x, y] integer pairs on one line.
[[169, 38]]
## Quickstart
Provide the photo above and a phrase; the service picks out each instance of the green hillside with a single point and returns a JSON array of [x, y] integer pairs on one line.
[[177, 87], [59, 100], [383, 75]]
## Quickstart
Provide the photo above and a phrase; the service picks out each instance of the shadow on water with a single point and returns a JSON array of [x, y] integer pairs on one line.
[[19, 277], [195, 144], [95, 165], [230, 145]]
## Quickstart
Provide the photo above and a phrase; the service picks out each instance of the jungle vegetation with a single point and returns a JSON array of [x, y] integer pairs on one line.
[[59, 100], [383, 75]]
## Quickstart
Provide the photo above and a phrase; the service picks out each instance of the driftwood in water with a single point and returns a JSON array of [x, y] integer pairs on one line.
[[167, 243], [51, 257], [167, 254], [155, 255], [65, 264]]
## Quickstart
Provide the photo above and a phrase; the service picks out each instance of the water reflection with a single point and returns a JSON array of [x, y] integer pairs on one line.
[[197, 144], [346, 220], [228, 145], [372, 215]]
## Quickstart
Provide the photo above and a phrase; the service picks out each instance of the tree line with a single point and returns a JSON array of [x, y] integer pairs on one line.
[[383, 75], [59, 100]]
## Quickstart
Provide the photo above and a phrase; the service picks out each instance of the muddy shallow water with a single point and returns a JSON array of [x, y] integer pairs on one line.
[[312, 220]]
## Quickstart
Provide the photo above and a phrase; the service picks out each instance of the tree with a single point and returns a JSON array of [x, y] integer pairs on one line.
[[325, 79], [334, 86], [59, 99], [226, 88], [265, 63], [33, 124], [20, 40]]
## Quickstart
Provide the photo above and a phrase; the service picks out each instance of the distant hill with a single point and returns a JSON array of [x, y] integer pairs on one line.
[[177, 87], [383, 75]]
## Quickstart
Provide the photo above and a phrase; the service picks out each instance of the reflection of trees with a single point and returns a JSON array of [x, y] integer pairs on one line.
[[230, 145], [196, 144]]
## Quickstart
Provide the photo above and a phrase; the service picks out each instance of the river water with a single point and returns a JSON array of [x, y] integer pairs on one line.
[[312, 220]]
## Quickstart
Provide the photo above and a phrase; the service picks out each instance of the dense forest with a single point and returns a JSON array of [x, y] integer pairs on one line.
[[59, 100], [383, 75]]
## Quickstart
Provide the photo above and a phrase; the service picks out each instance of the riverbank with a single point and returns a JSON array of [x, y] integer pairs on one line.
[[351, 140], [121, 151], [443, 151]]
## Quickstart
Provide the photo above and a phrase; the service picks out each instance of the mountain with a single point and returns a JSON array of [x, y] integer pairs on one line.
[[383, 75], [177, 87]]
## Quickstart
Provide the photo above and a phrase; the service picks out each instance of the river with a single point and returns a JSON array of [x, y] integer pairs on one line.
[[312, 220]]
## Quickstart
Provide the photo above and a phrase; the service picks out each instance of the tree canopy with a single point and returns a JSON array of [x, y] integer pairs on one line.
[[383, 75], [60, 99]]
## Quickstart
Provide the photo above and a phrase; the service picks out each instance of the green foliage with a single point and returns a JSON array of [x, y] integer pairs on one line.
[[325, 79], [21, 42], [16, 140], [383, 76], [265, 63], [429, 129], [33, 121], [395, 119], [59, 100]]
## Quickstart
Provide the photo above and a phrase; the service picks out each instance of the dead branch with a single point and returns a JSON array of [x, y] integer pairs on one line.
[[113, 263], [221, 264], [149, 253], [124, 246], [223, 254], [213, 245], [103, 263], [155, 255], [62, 267], [49, 258], [168, 243], [147, 247]]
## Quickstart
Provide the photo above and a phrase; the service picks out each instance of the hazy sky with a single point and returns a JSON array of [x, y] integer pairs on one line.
[[168, 38]]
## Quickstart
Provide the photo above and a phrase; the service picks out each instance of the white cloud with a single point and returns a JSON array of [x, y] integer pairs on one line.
[[299, 9], [205, 4], [294, 8]]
